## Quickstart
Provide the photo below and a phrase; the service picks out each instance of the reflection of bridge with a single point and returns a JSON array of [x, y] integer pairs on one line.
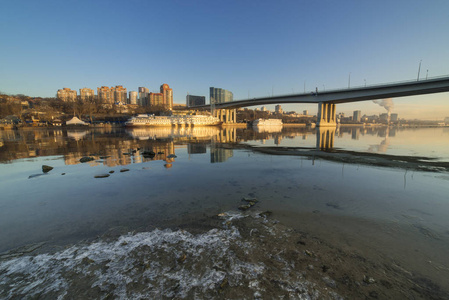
[[326, 100]]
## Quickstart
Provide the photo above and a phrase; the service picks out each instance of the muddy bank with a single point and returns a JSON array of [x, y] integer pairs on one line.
[[233, 255]]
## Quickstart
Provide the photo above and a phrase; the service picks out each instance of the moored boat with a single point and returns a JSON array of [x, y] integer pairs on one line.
[[143, 120], [267, 122]]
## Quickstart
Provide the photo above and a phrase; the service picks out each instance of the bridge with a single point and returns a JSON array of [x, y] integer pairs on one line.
[[327, 100]]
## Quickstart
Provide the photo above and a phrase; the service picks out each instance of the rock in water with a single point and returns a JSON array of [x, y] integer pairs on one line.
[[46, 168], [101, 176], [124, 170], [86, 159]]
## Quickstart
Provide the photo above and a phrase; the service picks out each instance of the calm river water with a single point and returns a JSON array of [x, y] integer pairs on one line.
[[378, 198]]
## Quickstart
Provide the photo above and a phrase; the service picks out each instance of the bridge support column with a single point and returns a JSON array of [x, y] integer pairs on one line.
[[227, 116], [326, 115]]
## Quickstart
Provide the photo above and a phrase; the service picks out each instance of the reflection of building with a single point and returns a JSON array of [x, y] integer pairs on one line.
[[192, 100], [66, 94], [355, 133], [218, 155], [220, 95], [86, 94], [196, 148], [357, 116]]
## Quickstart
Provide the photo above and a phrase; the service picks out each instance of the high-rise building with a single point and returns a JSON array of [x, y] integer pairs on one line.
[[357, 116], [156, 100], [66, 94], [218, 95], [192, 100], [167, 93], [394, 117], [143, 96], [278, 109], [87, 94], [305, 112], [105, 94], [132, 97], [120, 94]]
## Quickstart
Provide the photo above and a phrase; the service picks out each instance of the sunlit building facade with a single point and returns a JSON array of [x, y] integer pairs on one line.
[[86, 94], [66, 94], [132, 97], [143, 96], [105, 94], [357, 116], [120, 94]]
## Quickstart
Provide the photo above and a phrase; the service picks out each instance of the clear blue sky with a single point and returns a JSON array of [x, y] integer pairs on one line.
[[252, 48]]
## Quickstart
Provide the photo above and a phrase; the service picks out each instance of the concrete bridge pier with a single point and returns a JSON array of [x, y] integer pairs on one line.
[[227, 116], [327, 116]]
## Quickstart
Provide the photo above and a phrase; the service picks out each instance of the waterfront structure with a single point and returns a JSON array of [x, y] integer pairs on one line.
[[66, 94], [278, 109], [120, 94], [86, 94], [105, 94], [218, 95], [192, 100], [132, 98], [143, 96], [143, 120], [357, 116]]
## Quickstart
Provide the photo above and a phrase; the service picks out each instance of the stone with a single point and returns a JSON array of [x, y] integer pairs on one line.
[[46, 168], [171, 156], [86, 159], [111, 172], [101, 176], [124, 170]]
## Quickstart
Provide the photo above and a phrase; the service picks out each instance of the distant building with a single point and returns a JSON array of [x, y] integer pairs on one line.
[[86, 94], [120, 94], [394, 117], [446, 120], [66, 94], [305, 112], [105, 94], [143, 96], [278, 109], [164, 99], [167, 93], [192, 100], [218, 95], [383, 117], [132, 97], [357, 116], [263, 108]]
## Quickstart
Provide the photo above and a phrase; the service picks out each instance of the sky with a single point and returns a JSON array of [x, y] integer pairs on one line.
[[252, 48]]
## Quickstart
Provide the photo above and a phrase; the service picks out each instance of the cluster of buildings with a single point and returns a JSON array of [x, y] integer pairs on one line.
[[118, 95], [357, 117]]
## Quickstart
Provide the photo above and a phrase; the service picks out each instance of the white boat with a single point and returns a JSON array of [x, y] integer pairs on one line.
[[267, 122], [144, 120]]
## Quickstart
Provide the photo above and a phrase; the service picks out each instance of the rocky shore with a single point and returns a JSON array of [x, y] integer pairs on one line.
[[233, 255]]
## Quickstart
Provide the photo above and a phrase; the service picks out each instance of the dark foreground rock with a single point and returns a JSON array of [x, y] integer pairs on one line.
[[46, 168]]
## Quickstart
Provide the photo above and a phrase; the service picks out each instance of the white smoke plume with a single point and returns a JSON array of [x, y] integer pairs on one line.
[[386, 103]]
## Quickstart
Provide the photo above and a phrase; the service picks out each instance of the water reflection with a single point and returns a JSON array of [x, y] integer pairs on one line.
[[117, 146]]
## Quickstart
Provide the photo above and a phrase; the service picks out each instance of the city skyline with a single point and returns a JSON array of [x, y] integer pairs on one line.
[[250, 49]]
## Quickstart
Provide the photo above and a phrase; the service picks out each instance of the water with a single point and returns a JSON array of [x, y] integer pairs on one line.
[[378, 193]]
